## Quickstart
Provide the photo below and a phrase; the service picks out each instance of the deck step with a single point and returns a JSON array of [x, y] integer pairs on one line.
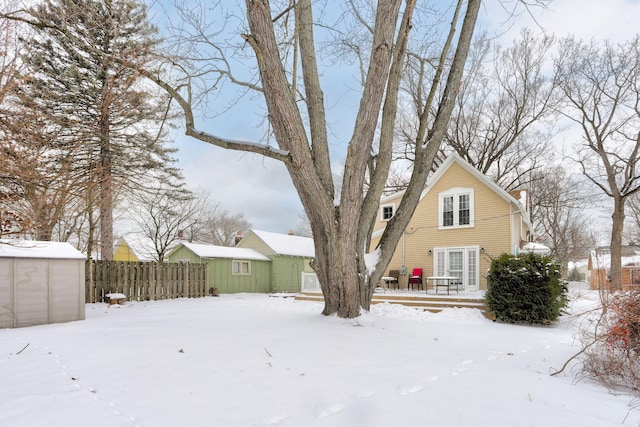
[[431, 303]]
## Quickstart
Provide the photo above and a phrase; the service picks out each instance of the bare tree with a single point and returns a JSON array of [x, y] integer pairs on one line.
[[558, 211], [163, 216], [107, 121], [502, 122], [341, 226], [13, 163], [216, 225], [601, 85], [34, 189], [632, 214]]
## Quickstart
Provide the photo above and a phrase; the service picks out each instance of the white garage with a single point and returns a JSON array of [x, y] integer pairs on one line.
[[40, 283]]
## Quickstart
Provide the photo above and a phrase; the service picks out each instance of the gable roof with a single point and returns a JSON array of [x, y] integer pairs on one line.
[[10, 248], [287, 244], [213, 251], [444, 167], [141, 246]]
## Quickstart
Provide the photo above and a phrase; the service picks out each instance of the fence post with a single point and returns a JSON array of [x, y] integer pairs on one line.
[[92, 284], [187, 287], [152, 282]]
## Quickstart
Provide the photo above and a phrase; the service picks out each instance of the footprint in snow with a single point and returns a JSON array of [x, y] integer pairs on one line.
[[325, 411], [362, 395], [406, 390], [274, 420], [459, 371]]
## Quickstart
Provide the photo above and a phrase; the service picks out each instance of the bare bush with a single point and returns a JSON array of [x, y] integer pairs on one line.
[[614, 357]]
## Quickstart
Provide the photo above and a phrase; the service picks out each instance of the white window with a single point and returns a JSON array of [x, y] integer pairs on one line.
[[461, 262], [241, 267], [456, 208], [386, 212]]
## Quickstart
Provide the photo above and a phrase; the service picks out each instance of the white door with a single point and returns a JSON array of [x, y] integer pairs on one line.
[[459, 262], [455, 265]]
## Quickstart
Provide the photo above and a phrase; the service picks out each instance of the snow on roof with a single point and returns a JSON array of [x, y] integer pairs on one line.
[[213, 251], [603, 260], [287, 244], [536, 248], [10, 248]]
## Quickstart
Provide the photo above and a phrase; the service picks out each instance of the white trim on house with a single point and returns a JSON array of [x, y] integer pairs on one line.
[[240, 267], [387, 211]]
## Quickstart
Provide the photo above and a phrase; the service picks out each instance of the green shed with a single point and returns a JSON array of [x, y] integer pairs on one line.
[[289, 254], [230, 269]]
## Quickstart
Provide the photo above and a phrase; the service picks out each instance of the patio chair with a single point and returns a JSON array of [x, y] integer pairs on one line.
[[415, 279], [396, 275]]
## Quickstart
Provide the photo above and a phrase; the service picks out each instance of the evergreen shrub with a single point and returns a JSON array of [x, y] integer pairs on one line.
[[526, 288]]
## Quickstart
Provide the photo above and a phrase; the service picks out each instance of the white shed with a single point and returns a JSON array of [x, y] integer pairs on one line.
[[40, 283]]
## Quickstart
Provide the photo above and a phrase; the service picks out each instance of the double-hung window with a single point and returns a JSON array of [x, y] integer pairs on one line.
[[456, 208]]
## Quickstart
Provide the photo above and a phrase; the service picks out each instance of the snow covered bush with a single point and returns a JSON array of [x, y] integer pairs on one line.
[[527, 288]]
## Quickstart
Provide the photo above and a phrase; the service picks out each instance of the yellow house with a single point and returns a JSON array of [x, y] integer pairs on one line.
[[133, 248], [462, 220]]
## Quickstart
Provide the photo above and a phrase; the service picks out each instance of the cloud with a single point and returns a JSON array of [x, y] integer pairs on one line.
[[243, 183], [614, 20]]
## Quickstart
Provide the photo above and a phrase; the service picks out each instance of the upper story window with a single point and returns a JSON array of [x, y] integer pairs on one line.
[[386, 212], [456, 208]]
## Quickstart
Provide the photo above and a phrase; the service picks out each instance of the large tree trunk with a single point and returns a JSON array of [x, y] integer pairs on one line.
[[616, 243], [340, 229]]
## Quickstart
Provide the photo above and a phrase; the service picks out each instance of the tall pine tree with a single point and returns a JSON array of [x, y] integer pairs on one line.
[[104, 120]]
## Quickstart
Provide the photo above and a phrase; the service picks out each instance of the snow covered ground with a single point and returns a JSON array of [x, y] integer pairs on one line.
[[255, 360]]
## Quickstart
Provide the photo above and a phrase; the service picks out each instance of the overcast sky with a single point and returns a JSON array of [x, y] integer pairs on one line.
[[261, 189]]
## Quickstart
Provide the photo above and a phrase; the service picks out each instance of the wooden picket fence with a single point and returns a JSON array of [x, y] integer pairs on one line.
[[143, 281]]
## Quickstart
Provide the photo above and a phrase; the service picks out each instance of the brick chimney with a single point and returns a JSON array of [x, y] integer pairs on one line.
[[238, 237]]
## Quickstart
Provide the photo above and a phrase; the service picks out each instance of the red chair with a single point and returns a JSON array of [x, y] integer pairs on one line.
[[415, 279]]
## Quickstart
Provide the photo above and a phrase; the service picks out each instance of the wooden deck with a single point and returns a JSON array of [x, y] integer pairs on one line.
[[428, 302]]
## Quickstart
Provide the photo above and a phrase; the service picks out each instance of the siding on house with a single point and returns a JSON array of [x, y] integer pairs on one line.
[[498, 225], [599, 267], [220, 269], [290, 256], [134, 247], [251, 240], [124, 253], [286, 273]]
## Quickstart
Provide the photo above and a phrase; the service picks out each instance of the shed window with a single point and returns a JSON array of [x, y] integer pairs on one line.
[[241, 267]]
